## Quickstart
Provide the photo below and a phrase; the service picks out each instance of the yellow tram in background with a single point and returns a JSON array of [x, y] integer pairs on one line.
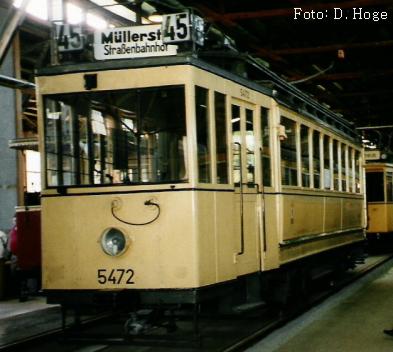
[[379, 191], [171, 178]]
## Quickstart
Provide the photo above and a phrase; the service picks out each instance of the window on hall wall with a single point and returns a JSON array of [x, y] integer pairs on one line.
[[304, 147], [37, 8], [221, 137], [33, 171], [203, 133], [74, 14], [289, 153], [316, 159], [265, 155]]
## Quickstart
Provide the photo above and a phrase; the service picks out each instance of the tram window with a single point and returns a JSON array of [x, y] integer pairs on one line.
[[127, 136], [203, 133], [389, 186], [335, 165], [374, 187], [53, 142], [326, 163], [349, 169], [344, 163], [357, 172], [265, 135], [289, 154], [237, 139], [221, 138], [83, 150], [67, 146], [250, 145], [304, 144], [316, 159]]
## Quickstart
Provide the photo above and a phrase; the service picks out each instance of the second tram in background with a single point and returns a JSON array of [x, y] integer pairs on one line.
[[379, 190]]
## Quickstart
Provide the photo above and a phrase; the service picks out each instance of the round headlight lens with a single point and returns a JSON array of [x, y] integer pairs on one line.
[[113, 242]]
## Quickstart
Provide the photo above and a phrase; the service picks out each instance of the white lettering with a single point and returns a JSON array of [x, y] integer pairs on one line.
[[298, 11], [338, 13], [375, 16], [307, 15], [357, 12]]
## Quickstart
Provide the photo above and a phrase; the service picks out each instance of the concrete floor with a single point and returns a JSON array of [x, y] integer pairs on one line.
[[352, 320], [20, 320]]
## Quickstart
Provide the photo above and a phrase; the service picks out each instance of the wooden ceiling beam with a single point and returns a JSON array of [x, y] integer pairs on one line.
[[367, 93], [287, 12], [345, 110], [349, 75], [333, 47], [217, 17]]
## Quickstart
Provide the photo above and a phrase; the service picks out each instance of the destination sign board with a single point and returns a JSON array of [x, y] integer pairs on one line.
[[372, 154], [131, 42]]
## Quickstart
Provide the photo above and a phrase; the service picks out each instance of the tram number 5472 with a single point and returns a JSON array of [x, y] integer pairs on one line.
[[115, 276]]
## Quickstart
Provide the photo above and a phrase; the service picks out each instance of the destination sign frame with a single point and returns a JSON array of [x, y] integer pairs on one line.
[[131, 42]]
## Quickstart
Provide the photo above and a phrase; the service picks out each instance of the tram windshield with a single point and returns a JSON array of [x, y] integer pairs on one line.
[[116, 137]]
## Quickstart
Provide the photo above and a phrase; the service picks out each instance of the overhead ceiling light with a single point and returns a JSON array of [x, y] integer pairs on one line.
[[74, 14], [155, 17], [96, 21], [36, 8]]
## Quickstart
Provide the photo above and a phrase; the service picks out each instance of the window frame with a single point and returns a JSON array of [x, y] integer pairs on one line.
[[90, 152]]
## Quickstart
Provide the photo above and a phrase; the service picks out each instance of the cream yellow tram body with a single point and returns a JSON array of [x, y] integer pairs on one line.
[[171, 177], [379, 191]]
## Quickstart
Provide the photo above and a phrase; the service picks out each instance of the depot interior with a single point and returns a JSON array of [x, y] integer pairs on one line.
[[345, 65]]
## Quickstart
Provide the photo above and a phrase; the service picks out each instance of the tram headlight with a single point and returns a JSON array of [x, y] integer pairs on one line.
[[114, 242]]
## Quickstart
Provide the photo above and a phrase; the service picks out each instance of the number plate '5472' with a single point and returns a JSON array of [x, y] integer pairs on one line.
[[115, 276]]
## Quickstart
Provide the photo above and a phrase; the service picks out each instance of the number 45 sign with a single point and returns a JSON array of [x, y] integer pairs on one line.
[[182, 27], [69, 38]]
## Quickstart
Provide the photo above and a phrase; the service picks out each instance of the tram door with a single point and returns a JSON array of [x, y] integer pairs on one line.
[[246, 188]]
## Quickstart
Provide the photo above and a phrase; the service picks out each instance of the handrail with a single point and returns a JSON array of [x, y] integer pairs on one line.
[[241, 201]]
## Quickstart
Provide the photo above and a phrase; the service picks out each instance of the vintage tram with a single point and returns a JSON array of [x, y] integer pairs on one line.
[[379, 194], [169, 179]]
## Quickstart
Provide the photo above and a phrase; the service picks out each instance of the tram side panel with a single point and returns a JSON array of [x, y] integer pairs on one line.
[[353, 216], [308, 222], [215, 242], [160, 255], [333, 214], [303, 215], [195, 242], [378, 218]]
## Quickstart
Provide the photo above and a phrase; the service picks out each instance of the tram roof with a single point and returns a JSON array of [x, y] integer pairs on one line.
[[267, 83]]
